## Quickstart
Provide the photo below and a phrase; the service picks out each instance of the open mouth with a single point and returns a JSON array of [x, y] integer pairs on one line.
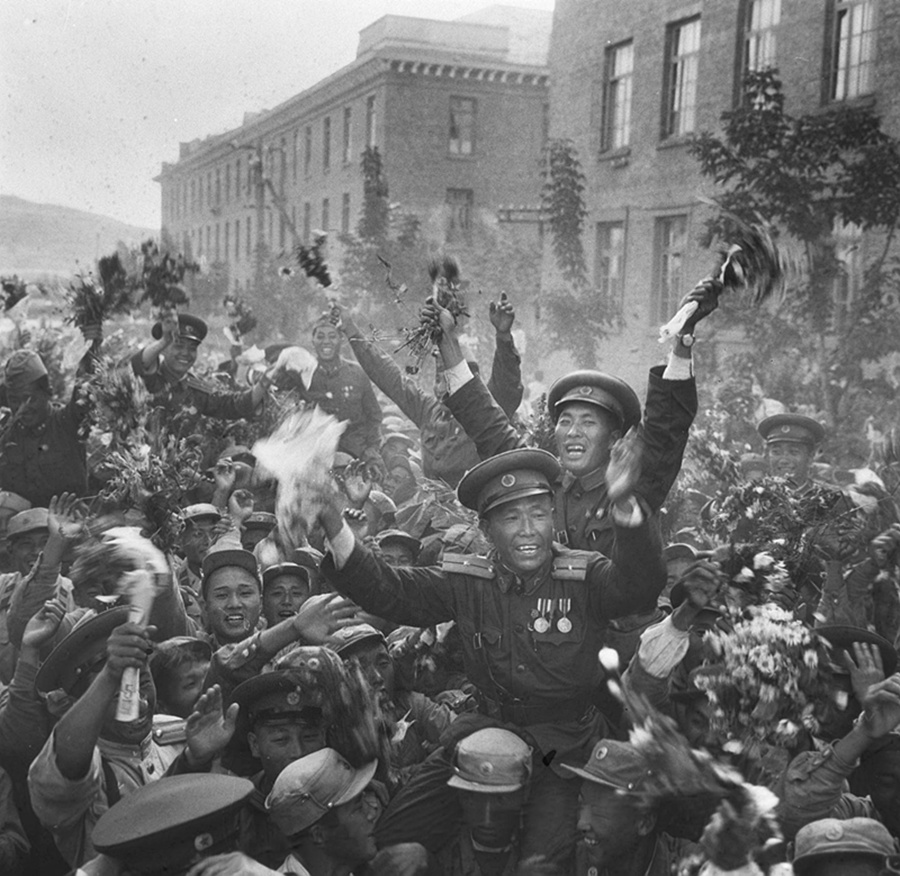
[[235, 620], [527, 550], [575, 449], [286, 613]]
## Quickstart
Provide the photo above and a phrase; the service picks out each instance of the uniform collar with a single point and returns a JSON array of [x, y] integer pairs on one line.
[[331, 367], [508, 580], [591, 481]]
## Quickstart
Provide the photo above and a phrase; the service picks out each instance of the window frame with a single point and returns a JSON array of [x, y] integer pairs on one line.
[[867, 38], [674, 80], [611, 90], [610, 285], [453, 120], [663, 305]]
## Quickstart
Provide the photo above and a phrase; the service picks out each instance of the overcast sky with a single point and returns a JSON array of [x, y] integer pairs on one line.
[[98, 93]]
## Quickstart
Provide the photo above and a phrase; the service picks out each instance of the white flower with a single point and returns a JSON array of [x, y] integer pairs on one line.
[[744, 576], [763, 560]]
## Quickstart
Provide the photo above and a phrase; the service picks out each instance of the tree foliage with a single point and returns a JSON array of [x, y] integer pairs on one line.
[[577, 316], [808, 176]]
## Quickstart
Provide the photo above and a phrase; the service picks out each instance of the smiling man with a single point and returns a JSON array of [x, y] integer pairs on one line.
[[531, 617], [341, 388], [791, 443], [165, 366]]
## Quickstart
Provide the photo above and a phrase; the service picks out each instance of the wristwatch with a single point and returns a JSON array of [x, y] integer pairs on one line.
[[686, 340]]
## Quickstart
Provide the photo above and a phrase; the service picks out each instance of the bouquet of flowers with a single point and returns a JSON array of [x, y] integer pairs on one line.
[[162, 276], [446, 289], [769, 673], [92, 301], [312, 259]]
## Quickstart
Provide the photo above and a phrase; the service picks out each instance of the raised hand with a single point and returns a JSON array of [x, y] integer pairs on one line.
[[128, 646], [230, 864], [168, 318], [624, 466], [881, 707], [44, 624], [240, 506], [866, 668], [322, 615], [437, 317], [225, 475], [503, 314], [209, 727], [66, 517], [357, 483], [706, 295]]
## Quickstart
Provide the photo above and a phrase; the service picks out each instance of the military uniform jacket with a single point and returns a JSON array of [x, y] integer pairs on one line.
[[581, 506], [344, 391], [447, 452], [506, 655], [193, 395]]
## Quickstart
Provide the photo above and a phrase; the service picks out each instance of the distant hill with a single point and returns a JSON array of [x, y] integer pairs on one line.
[[46, 238]]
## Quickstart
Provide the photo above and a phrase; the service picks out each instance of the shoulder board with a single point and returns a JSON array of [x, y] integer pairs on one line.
[[571, 566], [468, 564], [168, 730]]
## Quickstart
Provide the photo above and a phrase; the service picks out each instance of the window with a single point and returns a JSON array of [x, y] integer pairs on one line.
[[249, 237], [217, 251], [270, 240], [307, 221], [282, 229], [237, 240], [208, 241], [345, 213], [617, 96], [848, 252], [609, 267], [682, 57], [294, 162], [227, 183], [282, 166], [462, 126], [326, 218], [307, 150], [227, 239], [459, 202], [326, 143], [370, 121], [193, 195], [294, 219], [854, 48], [348, 120], [760, 25], [670, 244], [237, 178], [209, 190], [218, 188]]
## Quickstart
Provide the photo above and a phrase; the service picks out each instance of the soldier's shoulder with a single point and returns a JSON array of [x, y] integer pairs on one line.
[[467, 564]]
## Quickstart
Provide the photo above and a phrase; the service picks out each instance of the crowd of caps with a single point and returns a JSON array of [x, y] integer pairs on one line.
[[376, 702]]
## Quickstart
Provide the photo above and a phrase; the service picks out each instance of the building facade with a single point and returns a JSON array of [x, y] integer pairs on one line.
[[457, 110], [633, 82]]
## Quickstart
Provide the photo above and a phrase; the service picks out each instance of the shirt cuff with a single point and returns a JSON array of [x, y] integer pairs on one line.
[[342, 546], [678, 368], [458, 376], [627, 513]]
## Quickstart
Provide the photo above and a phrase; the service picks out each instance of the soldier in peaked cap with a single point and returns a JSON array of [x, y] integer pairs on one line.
[[590, 411], [280, 724], [165, 365], [835, 847], [165, 828], [531, 615], [791, 443]]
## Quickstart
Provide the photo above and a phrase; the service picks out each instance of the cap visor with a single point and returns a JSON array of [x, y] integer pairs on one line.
[[363, 776], [517, 494], [584, 774], [464, 785]]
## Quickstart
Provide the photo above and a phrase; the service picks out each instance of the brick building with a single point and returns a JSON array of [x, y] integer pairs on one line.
[[457, 110], [632, 82]]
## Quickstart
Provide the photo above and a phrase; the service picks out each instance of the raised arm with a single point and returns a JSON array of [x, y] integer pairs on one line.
[[418, 597], [505, 383], [384, 372]]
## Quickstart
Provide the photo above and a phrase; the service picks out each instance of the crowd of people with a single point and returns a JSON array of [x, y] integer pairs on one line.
[[479, 656]]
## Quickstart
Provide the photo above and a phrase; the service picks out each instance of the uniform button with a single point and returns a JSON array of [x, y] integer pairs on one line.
[[520, 667], [519, 628]]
